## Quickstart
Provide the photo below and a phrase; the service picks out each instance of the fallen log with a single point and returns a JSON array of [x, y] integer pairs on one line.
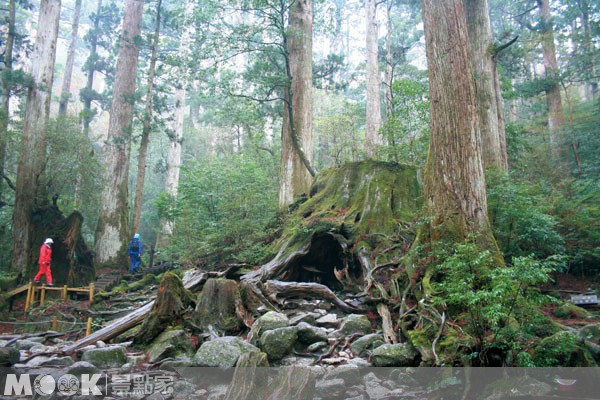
[[118, 326], [275, 289]]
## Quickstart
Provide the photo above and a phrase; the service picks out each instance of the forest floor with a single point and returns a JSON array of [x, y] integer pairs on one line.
[[72, 313]]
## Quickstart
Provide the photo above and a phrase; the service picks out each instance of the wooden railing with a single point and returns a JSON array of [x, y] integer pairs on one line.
[[33, 289]]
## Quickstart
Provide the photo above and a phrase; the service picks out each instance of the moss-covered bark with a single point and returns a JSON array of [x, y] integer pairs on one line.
[[171, 302], [364, 208]]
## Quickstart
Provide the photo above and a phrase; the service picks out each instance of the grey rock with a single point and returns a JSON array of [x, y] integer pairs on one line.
[[395, 355], [329, 321], [271, 320], [109, 357], [170, 344], [81, 367], [221, 352], [278, 342], [355, 323], [316, 347], [310, 318], [24, 344], [365, 343], [309, 334]]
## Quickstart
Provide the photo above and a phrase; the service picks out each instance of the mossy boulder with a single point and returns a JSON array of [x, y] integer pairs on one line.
[[308, 334], [355, 324], [366, 343], [563, 349], [271, 320], [170, 344], [570, 310], [395, 355], [222, 352], [108, 357], [278, 342]]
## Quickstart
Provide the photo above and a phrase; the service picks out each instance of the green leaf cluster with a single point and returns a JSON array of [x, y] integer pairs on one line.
[[222, 209]]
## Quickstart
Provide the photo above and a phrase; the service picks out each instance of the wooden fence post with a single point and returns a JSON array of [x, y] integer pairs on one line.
[[88, 329], [54, 323], [91, 292], [64, 292], [29, 296], [42, 296]]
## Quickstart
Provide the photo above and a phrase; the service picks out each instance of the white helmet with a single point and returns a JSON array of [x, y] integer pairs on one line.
[[48, 241]]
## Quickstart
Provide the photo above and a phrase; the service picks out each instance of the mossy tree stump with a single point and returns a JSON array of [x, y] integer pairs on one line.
[[220, 307], [172, 300]]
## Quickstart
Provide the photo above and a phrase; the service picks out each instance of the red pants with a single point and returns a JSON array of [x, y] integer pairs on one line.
[[44, 270]]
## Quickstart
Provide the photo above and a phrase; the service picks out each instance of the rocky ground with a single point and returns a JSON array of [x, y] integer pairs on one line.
[[308, 350]]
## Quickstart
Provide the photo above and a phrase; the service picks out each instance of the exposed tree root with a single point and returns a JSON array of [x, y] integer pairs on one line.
[[276, 289]]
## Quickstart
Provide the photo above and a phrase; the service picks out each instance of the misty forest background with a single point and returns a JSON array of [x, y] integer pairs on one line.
[[211, 82]]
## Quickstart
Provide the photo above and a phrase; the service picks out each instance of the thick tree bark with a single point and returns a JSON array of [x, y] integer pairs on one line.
[[65, 93], [112, 232], [588, 44], [454, 177], [373, 120], [484, 68], [87, 114], [5, 95], [553, 97], [175, 140], [33, 139], [147, 126], [297, 143], [389, 62]]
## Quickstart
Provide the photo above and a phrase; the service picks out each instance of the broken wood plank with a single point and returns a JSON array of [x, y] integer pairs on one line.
[[118, 326], [276, 289]]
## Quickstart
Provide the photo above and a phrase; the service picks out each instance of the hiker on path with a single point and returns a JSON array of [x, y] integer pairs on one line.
[[135, 253], [44, 261]]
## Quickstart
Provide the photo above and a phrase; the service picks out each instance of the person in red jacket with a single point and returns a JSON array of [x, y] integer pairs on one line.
[[44, 261]]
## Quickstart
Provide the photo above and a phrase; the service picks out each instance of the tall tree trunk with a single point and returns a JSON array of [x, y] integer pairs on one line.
[[588, 45], [174, 151], [553, 97], [112, 232], [373, 122], [484, 68], [389, 62], [65, 93], [147, 125], [173, 161], [454, 178], [297, 144], [87, 114], [33, 140], [5, 95]]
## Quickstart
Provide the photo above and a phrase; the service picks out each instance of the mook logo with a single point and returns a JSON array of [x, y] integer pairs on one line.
[[44, 385]]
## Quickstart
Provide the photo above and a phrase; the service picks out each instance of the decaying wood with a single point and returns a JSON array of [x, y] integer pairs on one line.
[[218, 307], [171, 302], [386, 323], [275, 289], [118, 326]]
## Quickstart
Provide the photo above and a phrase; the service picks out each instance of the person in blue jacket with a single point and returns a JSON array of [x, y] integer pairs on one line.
[[135, 253]]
